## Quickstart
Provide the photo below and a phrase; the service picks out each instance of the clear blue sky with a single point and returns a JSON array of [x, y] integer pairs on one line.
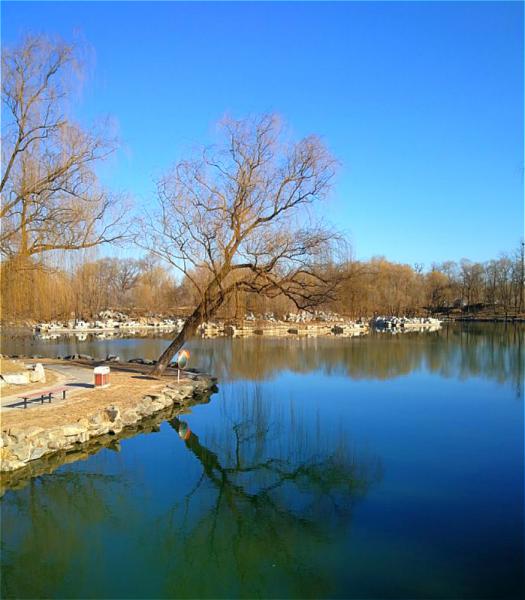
[[422, 102]]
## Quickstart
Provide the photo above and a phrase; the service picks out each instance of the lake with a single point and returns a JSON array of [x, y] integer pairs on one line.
[[386, 466]]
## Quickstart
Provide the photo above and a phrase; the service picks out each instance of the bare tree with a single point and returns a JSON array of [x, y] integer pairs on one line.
[[127, 274], [235, 218], [51, 198]]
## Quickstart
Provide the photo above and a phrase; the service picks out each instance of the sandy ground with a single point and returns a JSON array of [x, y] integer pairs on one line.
[[125, 390], [8, 365]]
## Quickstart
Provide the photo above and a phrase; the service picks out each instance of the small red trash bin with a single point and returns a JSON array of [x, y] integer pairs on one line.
[[101, 376]]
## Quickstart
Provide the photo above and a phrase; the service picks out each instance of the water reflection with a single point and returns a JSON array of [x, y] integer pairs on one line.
[[367, 484], [493, 351], [459, 351], [271, 494], [44, 531], [274, 500]]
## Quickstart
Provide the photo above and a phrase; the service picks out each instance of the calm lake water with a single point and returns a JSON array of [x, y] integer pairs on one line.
[[375, 467]]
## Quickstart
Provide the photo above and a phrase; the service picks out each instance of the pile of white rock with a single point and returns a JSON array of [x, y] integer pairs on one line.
[[33, 373], [406, 323], [305, 316], [113, 315], [107, 320], [302, 316]]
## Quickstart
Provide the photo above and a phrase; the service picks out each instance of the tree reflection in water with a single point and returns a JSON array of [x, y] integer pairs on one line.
[[265, 509], [49, 521], [266, 513], [491, 351], [260, 498]]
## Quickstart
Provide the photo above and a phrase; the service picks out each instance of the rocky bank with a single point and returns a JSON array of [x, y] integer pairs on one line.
[[22, 444]]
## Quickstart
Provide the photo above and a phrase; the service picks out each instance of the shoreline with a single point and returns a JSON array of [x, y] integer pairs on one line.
[[48, 463], [227, 328], [31, 434]]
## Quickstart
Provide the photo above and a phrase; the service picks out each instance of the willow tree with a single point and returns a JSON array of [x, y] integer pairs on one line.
[[51, 196], [236, 218]]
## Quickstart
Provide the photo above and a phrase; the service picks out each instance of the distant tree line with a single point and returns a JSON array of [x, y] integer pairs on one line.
[[378, 286], [382, 287], [46, 293], [232, 232]]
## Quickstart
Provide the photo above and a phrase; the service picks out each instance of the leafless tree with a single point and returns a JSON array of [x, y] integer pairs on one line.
[[51, 197], [236, 218]]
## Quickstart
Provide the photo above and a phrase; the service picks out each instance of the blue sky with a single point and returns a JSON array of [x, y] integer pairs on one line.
[[422, 102]]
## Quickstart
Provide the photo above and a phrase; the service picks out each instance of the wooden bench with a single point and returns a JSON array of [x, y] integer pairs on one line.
[[34, 397], [47, 395], [63, 389]]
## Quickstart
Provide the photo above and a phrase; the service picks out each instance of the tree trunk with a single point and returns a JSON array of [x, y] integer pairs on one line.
[[212, 300], [188, 329]]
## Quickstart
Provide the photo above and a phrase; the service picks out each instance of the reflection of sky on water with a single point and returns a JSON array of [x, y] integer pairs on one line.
[[310, 474]]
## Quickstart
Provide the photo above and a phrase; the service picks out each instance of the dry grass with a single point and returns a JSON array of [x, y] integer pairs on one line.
[[125, 390], [11, 366]]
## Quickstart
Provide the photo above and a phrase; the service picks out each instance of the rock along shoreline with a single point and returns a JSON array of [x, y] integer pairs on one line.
[[22, 445]]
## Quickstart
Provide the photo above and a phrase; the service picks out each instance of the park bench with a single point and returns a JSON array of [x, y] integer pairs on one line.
[[62, 389], [47, 395], [35, 397]]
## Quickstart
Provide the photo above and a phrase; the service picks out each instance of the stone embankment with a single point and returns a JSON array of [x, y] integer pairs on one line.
[[280, 329], [82, 451], [21, 444]]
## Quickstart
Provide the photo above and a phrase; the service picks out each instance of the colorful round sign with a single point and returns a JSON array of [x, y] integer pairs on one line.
[[182, 359], [184, 431]]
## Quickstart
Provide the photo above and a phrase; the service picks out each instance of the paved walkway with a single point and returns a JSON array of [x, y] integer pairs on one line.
[[76, 378]]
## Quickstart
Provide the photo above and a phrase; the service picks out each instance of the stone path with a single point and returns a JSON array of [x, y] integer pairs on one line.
[[76, 378]]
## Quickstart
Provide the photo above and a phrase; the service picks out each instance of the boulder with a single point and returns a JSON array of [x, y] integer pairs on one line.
[[57, 442], [57, 439], [17, 434], [37, 373], [37, 452], [83, 422], [9, 461], [113, 413], [186, 391], [99, 423], [21, 451], [16, 378], [96, 420], [33, 431], [73, 430], [130, 417], [143, 405], [100, 429], [157, 405], [116, 426], [112, 358]]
